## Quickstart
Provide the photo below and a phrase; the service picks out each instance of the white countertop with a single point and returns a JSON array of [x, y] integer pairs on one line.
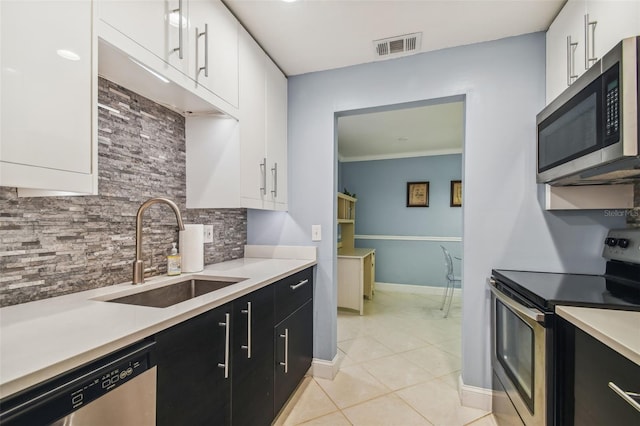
[[41, 339], [620, 330]]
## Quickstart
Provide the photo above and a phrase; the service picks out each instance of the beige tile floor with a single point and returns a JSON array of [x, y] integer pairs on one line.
[[400, 364]]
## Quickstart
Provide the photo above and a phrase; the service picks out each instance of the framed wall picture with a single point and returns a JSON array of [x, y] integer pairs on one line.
[[417, 194], [456, 193]]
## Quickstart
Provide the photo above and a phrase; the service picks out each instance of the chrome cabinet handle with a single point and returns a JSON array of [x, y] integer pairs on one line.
[[571, 47], [226, 325], [274, 172], [300, 284], [285, 364], [263, 168], [248, 345], [199, 34], [629, 397], [589, 43], [532, 314], [179, 49]]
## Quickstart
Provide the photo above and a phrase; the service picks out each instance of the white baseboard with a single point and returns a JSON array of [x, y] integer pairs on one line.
[[325, 369], [412, 288], [474, 397]]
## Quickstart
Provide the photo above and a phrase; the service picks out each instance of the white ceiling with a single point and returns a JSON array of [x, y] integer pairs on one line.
[[314, 35], [410, 132]]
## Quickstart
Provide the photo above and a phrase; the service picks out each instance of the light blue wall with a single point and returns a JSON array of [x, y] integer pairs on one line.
[[504, 225], [381, 210]]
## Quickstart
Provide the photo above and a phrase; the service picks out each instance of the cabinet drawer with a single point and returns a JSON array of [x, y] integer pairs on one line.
[[292, 292], [596, 365]]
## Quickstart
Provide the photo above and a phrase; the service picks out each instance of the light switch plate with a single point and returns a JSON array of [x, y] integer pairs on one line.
[[316, 233], [208, 234]]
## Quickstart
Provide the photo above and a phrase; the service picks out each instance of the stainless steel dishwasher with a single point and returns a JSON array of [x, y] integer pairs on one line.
[[119, 389]]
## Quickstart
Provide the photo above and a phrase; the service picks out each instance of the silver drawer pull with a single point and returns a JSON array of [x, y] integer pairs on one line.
[[589, 45], [274, 172], [263, 173], [247, 347], [285, 364], [629, 397], [199, 34], [300, 284], [179, 49], [226, 324]]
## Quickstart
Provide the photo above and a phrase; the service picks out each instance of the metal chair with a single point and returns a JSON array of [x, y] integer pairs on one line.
[[451, 281]]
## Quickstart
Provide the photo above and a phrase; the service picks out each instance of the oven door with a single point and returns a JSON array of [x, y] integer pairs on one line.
[[519, 356]]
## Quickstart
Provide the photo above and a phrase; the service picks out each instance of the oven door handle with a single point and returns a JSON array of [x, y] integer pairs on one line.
[[519, 308]]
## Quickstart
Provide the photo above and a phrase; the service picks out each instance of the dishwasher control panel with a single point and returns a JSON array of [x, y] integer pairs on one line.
[[101, 382], [62, 395]]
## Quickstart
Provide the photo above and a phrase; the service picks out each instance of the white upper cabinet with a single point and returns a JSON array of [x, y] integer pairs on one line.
[[48, 96], [253, 180], [565, 48], [242, 163], [213, 39], [582, 32], [159, 26], [276, 135], [611, 21], [193, 43], [263, 128]]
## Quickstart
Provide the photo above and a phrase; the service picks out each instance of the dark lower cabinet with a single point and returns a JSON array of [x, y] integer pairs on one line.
[[193, 388], [294, 350], [592, 370], [252, 393], [225, 367]]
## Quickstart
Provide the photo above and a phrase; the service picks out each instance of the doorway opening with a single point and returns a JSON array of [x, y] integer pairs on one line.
[[399, 197]]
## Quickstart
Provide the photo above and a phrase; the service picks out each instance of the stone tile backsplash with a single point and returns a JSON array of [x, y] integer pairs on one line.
[[51, 246]]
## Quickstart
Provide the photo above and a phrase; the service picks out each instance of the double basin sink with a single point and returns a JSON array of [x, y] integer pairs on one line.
[[171, 294]]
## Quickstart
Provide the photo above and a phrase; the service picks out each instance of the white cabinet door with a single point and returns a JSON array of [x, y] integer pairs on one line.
[[254, 176], [276, 135], [156, 25], [564, 61], [215, 51], [48, 96], [249, 169], [615, 20]]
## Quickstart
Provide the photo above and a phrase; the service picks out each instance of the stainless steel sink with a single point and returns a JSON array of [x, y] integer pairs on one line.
[[174, 293]]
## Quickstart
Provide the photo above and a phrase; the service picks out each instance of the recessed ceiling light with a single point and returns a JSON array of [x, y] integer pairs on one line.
[[68, 54], [150, 71], [288, 1]]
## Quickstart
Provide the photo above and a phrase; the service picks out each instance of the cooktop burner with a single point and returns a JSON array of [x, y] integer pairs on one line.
[[618, 288]]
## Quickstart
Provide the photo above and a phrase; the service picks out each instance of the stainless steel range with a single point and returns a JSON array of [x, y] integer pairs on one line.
[[523, 317]]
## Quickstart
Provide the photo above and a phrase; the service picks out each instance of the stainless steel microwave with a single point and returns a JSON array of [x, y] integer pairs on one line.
[[589, 134]]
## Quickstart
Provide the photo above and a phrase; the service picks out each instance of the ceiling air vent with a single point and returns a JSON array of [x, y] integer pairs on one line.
[[393, 47]]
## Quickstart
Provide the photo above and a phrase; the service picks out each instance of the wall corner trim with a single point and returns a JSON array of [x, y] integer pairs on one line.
[[474, 397], [324, 369]]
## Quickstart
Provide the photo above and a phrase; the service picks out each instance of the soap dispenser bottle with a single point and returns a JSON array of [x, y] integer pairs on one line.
[[174, 261]]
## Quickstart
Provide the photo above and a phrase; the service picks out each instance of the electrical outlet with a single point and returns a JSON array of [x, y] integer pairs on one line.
[[208, 234], [316, 233]]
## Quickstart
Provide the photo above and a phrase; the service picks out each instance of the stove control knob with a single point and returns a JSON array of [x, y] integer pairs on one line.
[[623, 243], [611, 242]]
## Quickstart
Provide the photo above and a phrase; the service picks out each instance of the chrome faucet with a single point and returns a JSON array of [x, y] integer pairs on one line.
[[138, 265]]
